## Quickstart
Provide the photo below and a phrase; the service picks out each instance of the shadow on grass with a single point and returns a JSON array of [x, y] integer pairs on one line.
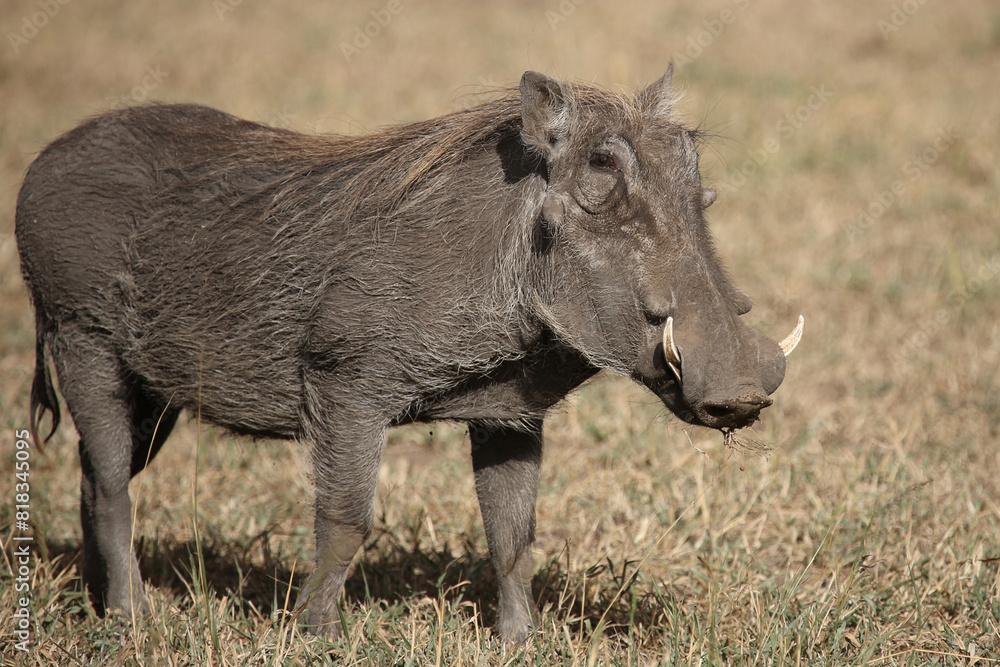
[[260, 581], [246, 571], [395, 571]]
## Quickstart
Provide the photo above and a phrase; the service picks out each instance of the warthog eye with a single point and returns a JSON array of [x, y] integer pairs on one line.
[[653, 319], [604, 161]]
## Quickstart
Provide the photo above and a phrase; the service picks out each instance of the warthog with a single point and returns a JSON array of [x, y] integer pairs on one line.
[[475, 267]]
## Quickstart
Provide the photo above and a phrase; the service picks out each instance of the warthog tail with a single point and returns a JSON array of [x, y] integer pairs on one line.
[[43, 394]]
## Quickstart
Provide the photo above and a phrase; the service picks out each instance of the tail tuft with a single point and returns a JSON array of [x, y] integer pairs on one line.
[[43, 394]]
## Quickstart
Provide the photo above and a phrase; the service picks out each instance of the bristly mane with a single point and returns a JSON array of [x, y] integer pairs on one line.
[[371, 175]]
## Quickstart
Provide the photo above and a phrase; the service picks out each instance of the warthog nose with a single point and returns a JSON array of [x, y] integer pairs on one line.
[[732, 413]]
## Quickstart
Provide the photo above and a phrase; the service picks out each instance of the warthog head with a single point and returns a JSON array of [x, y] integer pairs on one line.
[[636, 282]]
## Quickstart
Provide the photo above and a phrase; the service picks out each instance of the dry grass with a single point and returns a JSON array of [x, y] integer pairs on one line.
[[868, 534]]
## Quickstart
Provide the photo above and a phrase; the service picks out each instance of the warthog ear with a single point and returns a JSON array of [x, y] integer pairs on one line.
[[656, 100], [544, 112]]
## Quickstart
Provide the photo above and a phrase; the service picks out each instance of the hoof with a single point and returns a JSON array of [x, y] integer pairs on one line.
[[516, 627], [327, 626]]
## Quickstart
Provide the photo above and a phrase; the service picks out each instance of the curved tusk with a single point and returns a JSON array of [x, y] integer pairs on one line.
[[793, 338], [670, 352], [669, 349]]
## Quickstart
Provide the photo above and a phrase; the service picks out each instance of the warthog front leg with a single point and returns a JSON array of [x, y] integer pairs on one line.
[[346, 471], [506, 463]]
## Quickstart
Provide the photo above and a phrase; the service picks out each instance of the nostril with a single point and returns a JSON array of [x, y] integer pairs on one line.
[[717, 411], [733, 413]]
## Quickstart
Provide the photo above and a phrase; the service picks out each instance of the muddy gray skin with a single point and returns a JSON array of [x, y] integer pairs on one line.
[[475, 267]]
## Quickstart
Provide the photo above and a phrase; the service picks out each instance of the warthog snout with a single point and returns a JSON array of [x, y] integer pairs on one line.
[[727, 390], [724, 412]]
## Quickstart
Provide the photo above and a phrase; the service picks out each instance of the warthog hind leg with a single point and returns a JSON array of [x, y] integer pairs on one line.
[[116, 441]]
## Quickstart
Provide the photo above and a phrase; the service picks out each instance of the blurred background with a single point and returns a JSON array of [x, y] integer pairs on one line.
[[855, 149]]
